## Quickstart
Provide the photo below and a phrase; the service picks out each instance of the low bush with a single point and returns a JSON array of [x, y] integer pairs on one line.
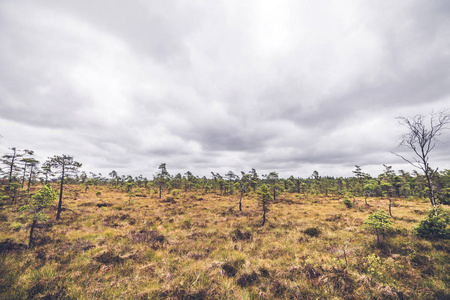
[[444, 196], [230, 268], [348, 203], [435, 226], [248, 279], [237, 235], [312, 231]]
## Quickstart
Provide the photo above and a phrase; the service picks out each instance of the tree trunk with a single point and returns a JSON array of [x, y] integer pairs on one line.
[[23, 177], [390, 205], [12, 166], [30, 241], [29, 178], [431, 190], [58, 214], [160, 190], [240, 202], [264, 213]]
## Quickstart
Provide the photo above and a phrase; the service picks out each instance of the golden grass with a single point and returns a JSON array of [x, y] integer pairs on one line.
[[193, 246]]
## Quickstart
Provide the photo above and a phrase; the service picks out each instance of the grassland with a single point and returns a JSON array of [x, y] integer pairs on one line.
[[195, 246]]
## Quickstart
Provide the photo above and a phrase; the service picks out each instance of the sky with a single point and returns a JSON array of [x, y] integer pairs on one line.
[[213, 86]]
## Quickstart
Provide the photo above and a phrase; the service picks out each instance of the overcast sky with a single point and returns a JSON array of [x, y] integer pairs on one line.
[[286, 86]]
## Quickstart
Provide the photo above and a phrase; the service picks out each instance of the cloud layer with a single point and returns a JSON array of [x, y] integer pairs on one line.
[[286, 86]]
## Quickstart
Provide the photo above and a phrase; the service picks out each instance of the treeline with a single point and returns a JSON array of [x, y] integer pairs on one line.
[[19, 170]]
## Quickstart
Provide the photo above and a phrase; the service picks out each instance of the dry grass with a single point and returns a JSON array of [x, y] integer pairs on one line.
[[201, 247]]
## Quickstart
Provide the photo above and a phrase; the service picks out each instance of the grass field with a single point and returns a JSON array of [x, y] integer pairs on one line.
[[194, 246]]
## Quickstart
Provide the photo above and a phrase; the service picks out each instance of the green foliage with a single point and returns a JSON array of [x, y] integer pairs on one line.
[[276, 187], [264, 192], [348, 203], [39, 201], [379, 223], [15, 226], [265, 198], [42, 199], [435, 226], [98, 194], [444, 196], [375, 265], [369, 189]]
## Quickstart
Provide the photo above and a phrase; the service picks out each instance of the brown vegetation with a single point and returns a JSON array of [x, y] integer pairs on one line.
[[195, 246]]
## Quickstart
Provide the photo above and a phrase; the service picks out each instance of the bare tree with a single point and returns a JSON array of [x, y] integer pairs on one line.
[[421, 138]]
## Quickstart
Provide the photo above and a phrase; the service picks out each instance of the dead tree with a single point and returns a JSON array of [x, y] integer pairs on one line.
[[421, 138]]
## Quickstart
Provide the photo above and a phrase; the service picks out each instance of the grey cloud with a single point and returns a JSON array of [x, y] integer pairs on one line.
[[218, 86], [153, 28]]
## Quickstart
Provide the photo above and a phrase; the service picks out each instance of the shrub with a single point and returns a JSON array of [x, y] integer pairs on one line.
[[312, 231], [98, 194], [240, 235], [444, 196], [379, 223], [230, 268], [348, 203], [434, 227], [248, 279]]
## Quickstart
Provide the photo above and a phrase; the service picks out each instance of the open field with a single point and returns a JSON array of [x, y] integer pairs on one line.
[[195, 246]]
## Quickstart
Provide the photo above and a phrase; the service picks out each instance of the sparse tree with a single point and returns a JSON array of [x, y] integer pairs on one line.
[[265, 199], [26, 161], [254, 177], [66, 166], [115, 177], [244, 186], [358, 173], [39, 201], [387, 179], [421, 139], [162, 177], [231, 177], [15, 191], [276, 186], [46, 170], [379, 223], [33, 164], [10, 160], [369, 189]]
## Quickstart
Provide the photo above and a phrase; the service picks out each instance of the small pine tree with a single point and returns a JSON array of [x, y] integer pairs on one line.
[[265, 198], [379, 223], [39, 201]]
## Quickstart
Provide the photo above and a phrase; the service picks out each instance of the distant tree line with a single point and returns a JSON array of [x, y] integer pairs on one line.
[[20, 171]]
